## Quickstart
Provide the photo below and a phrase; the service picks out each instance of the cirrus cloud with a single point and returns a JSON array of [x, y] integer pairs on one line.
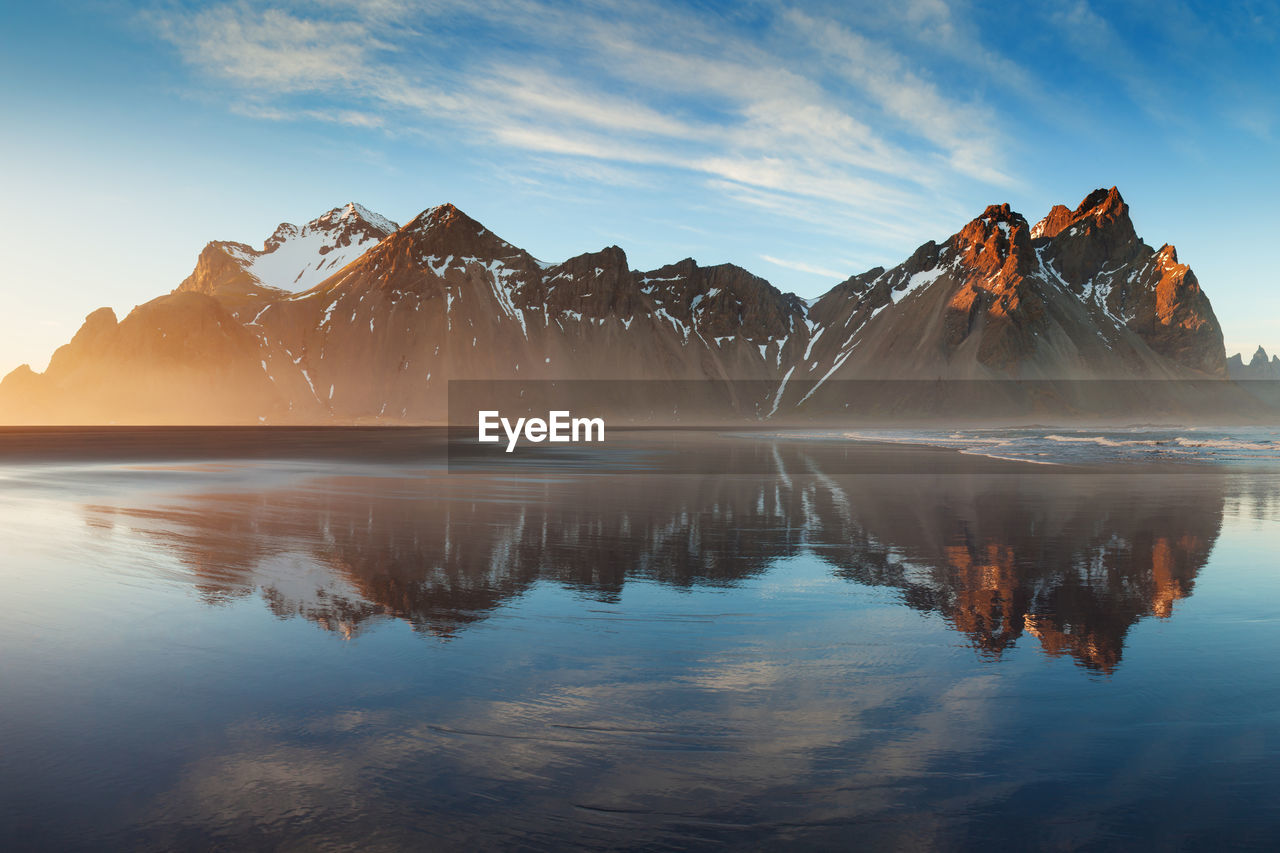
[[647, 86]]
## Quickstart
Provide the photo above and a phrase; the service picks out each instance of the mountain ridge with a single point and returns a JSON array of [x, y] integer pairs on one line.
[[399, 311], [1259, 366]]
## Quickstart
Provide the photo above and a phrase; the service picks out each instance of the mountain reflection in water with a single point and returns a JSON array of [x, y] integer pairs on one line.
[[378, 655], [1071, 560]]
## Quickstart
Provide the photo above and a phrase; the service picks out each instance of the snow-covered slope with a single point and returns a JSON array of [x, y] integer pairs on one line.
[[292, 259], [297, 259]]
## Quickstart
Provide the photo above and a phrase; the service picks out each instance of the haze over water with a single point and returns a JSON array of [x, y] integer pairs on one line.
[[353, 648]]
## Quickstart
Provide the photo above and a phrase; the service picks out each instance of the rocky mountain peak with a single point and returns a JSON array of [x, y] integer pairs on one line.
[[722, 300], [997, 244], [344, 226], [609, 261], [1000, 213], [98, 323], [1101, 210], [1261, 366], [446, 218], [1100, 207], [1097, 235], [595, 283], [1055, 221], [98, 327], [445, 231], [1172, 313], [284, 231], [355, 214], [1101, 202], [293, 258]]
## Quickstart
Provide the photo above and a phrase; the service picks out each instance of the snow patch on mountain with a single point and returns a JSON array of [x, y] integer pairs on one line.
[[917, 281], [297, 259]]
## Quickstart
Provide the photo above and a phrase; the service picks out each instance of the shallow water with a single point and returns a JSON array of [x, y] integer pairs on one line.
[[1253, 447], [371, 653]]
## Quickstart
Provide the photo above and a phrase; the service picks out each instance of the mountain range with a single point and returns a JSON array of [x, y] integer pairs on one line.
[[1259, 367], [352, 318]]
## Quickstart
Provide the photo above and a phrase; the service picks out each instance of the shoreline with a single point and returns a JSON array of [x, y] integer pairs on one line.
[[708, 450], [1135, 447]]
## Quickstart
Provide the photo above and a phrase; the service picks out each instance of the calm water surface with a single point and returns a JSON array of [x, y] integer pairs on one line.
[[362, 653]]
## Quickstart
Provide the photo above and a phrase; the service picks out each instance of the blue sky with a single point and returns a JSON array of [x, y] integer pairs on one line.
[[805, 141]]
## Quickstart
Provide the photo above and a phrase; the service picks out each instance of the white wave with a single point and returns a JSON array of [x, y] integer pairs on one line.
[[1223, 444], [1010, 458], [1102, 441]]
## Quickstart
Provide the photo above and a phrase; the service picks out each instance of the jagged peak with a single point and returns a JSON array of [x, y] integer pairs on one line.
[[283, 232], [1167, 255], [1262, 365], [350, 220], [1101, 205], [354, 212], [999, 239], [1053, 223], [1099, 201], [997, 218], [1001, 213]]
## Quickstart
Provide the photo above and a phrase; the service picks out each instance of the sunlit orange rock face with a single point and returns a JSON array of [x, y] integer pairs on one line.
[[353, 318], [1078, 295], [995, 250], [1159, 298]]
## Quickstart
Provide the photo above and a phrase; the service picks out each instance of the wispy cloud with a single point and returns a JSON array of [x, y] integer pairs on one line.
[[349, 118], [635, 86], [963, 132], [272, 49], [800, 266]]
